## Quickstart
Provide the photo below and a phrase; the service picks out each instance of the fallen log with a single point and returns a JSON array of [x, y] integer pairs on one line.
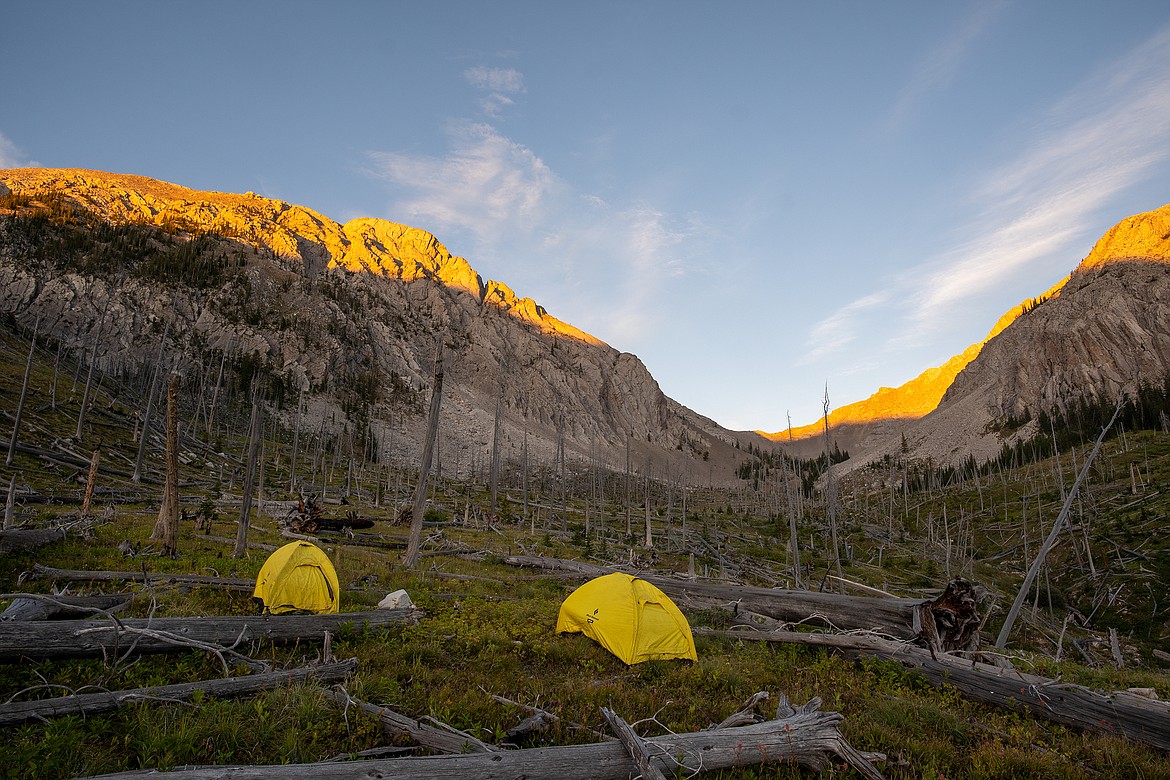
[[17, 539], [36, 606], [74, 460], [89, 638], [635, 746], [1117, 713], [92, 703], [225, 540], [440, 740], [150, 578], [805, 737], [897, 617], [366, 540]]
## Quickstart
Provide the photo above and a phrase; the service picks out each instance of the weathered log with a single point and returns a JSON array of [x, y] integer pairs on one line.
[[809, 739], [1118, 713], [151, 578], [35, 606], [16, 539], [73, 460], [365, 540], [92, 703], [634, 745], [894, 616], [251, 545], [88, 638], [537, 722], [445, 740], [745, 714]]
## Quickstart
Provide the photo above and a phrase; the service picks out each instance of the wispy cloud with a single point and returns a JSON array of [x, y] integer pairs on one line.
[[938, 68], [499, 83], [13, 157], [591, 257], [485, 184], [839, 329], [1103, 138]]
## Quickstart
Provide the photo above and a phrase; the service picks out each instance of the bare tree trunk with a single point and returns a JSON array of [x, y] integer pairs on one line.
[[92, 361], [649, 540], [629, 523], [91, 481], [525, 471], [801, 736], [56, 639], [792, 510], [85, 395], [53, 386], [292, 469], [831, 492], [166, 530], [215, 395], [10, 502], [158, 370], [32, 348], [410, 558], [1013, 613], [92, 703], [241, 548], [494, 474]]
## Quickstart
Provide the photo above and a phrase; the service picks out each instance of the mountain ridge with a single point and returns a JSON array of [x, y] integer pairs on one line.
[[1101, 331], [331, 307], [353, 309]]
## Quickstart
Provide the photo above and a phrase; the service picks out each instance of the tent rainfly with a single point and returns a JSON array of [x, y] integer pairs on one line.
[[297, 578], [629, 617]]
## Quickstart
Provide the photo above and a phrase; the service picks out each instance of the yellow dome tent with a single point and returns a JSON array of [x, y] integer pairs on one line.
[[297, 578], [628, 617]]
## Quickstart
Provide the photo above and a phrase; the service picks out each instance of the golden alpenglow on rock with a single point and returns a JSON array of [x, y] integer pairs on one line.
[[292, 232]]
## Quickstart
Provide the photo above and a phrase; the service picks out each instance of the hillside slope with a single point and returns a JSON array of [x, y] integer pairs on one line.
[[1103, 331], [348, 314]]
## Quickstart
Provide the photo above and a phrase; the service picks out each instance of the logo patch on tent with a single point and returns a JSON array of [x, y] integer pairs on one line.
[[591, 619]]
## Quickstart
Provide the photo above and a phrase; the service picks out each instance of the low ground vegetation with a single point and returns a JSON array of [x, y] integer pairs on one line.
[[486, 628]]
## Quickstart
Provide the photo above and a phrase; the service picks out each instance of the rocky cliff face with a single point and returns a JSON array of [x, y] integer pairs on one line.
[[1106, 332], [1101, 332], [891, 410], [348, 313]]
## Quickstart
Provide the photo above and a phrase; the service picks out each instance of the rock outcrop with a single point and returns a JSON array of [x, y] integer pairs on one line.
[[1102, 331], [348, 313]]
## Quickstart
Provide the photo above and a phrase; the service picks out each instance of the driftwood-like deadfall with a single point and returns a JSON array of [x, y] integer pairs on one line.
[[804, 736], [91, 703], [150, 578], [88, 638], [17, 539], [36, 606], [440, 740], [1119, 713], [897, 617]]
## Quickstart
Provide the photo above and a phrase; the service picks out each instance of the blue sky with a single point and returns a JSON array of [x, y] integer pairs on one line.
[[756, 198]]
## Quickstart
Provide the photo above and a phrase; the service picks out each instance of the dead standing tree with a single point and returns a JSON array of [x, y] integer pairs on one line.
[[1009, 622], [146, 414], [831, 493], [166, 530], [241, 548], [32, 348], [97, 340], [410, 557], [494, 474]]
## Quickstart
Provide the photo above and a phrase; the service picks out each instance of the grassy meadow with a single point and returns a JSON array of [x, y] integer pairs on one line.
[[486, 628]]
